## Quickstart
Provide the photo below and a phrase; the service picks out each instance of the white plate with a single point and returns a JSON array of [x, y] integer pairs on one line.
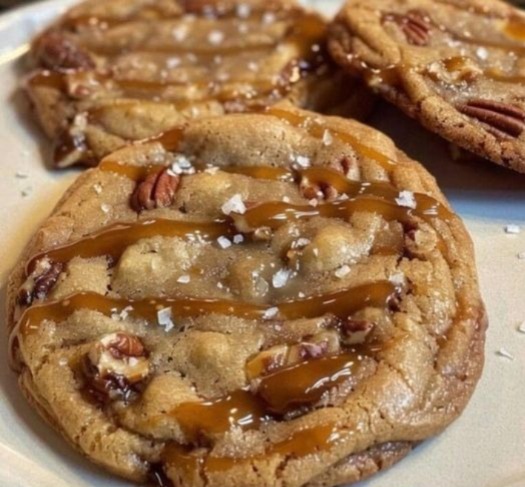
[[484, 448]]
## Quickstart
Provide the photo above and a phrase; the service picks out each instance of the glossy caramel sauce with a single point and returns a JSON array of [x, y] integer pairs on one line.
[[305, 383], [341, 303], [114, 239], [300, 444], [317, 130], [240, 409], [458, 63]]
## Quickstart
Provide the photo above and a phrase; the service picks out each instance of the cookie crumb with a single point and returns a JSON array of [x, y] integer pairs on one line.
[[224, 242], [503, 352], [521, 327], [406, 199], [234, 205], [26, 191], [512, 229]]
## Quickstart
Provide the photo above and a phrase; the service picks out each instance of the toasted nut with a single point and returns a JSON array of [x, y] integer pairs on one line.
[[156, 191], [57, 51], [115, 365], [355, 332], [39, 286]]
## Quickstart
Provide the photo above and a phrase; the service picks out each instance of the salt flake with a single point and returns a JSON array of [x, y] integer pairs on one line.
[[234, 205], [164, 319], [270, 313], [215, 37], [502, 352], [406, 199], [327, 138], [280, 278], [184, 279], [342, 271], [512, 229], [238, 239], [224, 242]]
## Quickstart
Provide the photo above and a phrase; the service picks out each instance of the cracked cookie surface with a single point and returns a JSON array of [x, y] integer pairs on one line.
[[454, 65], [273, 299], [113, 72]]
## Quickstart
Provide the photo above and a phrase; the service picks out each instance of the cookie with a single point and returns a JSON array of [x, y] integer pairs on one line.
[[268, 299], [455, 66], [114, 72]]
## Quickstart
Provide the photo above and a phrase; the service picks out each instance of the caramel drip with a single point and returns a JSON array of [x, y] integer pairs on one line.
[[317, 130], [135, 173], [241, 409], [113, 240], [457, 63], [49, 79], [275, 214], [298, 445], [305, 383], [341, 303]]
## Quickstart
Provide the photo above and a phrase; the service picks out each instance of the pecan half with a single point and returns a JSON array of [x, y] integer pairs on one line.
[[41, 285], [415, 25], [57, 51], [156, 191], [115, 367], [502, 119]]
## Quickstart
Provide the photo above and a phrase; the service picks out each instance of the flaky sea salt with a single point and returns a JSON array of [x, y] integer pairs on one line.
[[180, 32], [502, 352], [173, 62], [238, 239], [105, 207], [270, 313], [302, 161], [512, 229], [243, 10], [313, 202], [280, 278], [342, 271], [286, 199], [234, 205], [97, 188], [482, 53], [164, 319], [327, 138], [184, 279], [224, 242], [397, 279], [268, 18], [406, 199], [215, 37], [181, 165]]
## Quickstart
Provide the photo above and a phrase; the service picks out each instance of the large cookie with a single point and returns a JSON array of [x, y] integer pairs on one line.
[[250, 300], [114, 71], [455, 65]]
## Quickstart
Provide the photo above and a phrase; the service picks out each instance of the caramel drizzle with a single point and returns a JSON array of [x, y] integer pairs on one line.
[[298, 445], [456, 63], [317, 130], [114, 239], [341, 303], [275, 214]]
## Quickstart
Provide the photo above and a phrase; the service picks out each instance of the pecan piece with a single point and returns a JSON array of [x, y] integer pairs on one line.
[[115, 367], [42, 284], [57, 51], [156, 191], [415, 25], [355, 332], [325, 191], [502, 119]]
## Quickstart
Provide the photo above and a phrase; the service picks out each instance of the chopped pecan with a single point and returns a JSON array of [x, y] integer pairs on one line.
[[415, 25], [115, 367], [41, 285], [156, 191], [354, 332], [502, 119], [57, 51]]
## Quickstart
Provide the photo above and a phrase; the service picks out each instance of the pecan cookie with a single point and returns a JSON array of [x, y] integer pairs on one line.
[[454, 65], [114, 71], [256, 300]]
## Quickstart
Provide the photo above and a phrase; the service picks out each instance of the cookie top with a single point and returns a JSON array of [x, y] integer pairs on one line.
[[125, 70], [255, 299], [455, 65]]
